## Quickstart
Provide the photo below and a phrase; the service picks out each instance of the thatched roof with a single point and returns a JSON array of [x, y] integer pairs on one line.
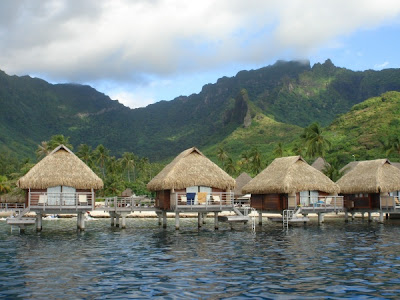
[[241, 181], [287, 175], [60, 167], [191, 168], [350, 166], [320, 164], [370, 176]]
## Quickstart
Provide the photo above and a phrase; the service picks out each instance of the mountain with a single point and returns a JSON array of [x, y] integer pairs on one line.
[[256, 107], [365, 129]]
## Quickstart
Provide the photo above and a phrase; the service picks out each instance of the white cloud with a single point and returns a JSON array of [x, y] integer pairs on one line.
[[132, 41], [381, 66]]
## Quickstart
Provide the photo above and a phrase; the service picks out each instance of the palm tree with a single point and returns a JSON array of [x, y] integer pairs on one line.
[[101, 154], [128, 161], [255, 160], [298, 149], [392, 145], [316, 142], [42, 150], [332, 170], [279, 151], [4, 186], [222, 155], [85, 153], [230, 166], [59, 139]]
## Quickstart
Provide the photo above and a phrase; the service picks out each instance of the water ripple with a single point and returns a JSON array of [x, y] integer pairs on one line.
[[336, 260]]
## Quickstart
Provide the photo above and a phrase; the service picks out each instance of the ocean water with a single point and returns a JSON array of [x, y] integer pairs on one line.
[[336, 260]]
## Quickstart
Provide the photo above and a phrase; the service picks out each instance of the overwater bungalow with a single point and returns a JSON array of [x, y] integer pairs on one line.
[[59, 183], [192, 183], [371, 186], [291, 184]]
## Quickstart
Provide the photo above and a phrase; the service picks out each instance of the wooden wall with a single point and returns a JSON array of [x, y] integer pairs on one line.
[[163, 200], [269, 202], [361, 201]]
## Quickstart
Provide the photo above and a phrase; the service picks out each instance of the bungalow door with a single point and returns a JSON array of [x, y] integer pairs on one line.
[[68, 195], [53, 195], [308, 198]]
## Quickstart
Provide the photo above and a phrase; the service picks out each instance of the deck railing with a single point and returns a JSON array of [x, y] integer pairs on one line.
[[128, 202], [318, 203], [12, 206], [390, 203], [44, 200], [203, 200]]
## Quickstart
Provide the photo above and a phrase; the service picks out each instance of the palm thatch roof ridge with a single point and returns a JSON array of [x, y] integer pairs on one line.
[[241, 181], [287, 175], [370, 176], [191, 168], [60, 167], [320, 164]]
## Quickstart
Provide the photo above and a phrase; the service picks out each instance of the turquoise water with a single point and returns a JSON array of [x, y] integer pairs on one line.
[[336, 260]]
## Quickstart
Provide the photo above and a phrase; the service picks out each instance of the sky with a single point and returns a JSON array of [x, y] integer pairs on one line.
[[142, 51]]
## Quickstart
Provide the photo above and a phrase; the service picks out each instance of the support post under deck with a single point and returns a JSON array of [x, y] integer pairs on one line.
[[123, 221], [346, 216], [369, 217], [381, 217], [112, 215], [260, 218], [176, 220], [199, 219], [117, 220], [38, 222], [164, 216], [320, 218], [216, 220]]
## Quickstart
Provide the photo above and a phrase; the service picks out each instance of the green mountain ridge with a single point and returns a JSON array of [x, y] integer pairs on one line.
[[254, 108]]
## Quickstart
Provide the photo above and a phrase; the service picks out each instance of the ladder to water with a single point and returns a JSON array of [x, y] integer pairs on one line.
[[291, 215]]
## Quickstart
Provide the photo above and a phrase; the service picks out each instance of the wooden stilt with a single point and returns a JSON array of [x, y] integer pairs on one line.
[[320, 218], [216, 225], [38, 222], [164, 214], [260, 218], [199, 221], [369, 217], [346, 216], [123, 221], [112, 218], [159, 219], [381, 217], [117, 220], [78, 221], [82, 222], [176, 220]]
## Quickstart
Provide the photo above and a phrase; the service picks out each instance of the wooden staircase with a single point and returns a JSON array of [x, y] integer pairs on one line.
[[20, 220]]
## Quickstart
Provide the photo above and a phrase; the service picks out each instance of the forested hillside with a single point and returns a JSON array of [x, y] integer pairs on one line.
[[266, 106]]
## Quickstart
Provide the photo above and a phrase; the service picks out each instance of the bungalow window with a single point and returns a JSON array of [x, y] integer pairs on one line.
[[308, 197], [54, 196]]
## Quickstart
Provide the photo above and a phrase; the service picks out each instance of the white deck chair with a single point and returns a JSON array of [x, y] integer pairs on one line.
[[217, 199], [82, 199], [183, 199], [42, 199], [328, 201]]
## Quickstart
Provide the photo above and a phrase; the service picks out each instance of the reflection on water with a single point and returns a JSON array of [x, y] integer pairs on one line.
[[335, 260]]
